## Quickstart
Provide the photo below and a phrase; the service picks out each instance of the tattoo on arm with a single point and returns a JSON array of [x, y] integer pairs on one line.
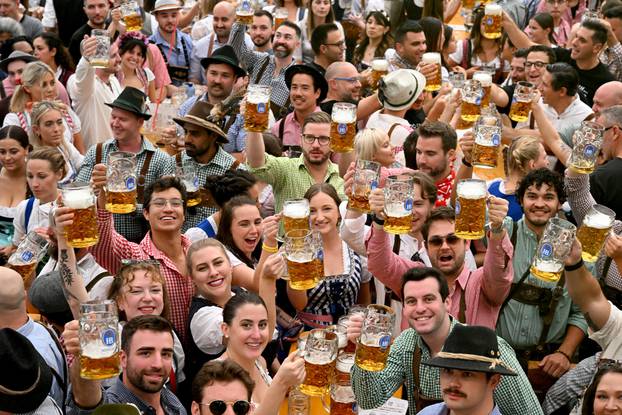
[[65, 272], [590, 322]]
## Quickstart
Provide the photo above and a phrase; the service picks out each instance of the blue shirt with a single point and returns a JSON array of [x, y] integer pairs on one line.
[[442, 409], [177, 57], [515, 211]]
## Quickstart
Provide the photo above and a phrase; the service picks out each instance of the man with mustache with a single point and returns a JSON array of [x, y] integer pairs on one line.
[[471, 370]]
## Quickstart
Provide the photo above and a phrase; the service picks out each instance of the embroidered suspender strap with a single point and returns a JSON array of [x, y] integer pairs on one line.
[[211, 46], [69, 120], [281, 131], [98, 153], [229, 123], [462, 309], [262, 69], [234, 165], [532, 122], [143, 177], [184, 48], [95, 280], [547, 319], [421, 401]]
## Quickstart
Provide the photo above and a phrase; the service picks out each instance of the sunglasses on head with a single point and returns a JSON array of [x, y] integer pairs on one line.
[[437, 241], [219, 407]]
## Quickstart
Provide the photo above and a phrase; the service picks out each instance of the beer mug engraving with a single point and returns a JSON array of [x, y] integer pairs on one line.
[[29, 252], [300, 252], [471, 209], [190, 179], [492, 21], [342, 399], [257, 109], [552, 250], [373, 348], [593, 232], [99, 340], [398, 204], [587, 141], [296, 214], [379, 68], [521, 101], [280, 15], [485, 80], [82, 233], [434, 83], [343, 127], [101, 56], [131, 15], [244, 12], [365, 180], [320, 356], [121, 182], [472, 93], [487, 143]]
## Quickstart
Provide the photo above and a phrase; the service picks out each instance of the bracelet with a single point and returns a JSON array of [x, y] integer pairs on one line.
[[575, 266], [563, 353], [270, 249], [377, 220], [466, 163]]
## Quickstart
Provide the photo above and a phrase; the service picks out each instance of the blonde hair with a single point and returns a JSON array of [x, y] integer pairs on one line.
[[38, 111], [200, 244], [32, 75], [367, 142], [523, 150]]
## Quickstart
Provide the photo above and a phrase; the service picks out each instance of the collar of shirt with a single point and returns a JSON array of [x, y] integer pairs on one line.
[[330, 171], [159, 39], [27, 328], [145, 145], [153, 251], [425, 350], [401, 62], [123, 394], [220, 159], [463, 278]]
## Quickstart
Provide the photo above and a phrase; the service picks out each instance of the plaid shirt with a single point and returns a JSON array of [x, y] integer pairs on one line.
[[612, 59], [514, 394], [113, 247], [129, 224]]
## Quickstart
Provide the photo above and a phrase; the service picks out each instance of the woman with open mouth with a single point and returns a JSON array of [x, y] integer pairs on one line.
[[133, 52]]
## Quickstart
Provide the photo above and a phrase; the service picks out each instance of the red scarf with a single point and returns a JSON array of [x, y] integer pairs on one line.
[[444, 188]]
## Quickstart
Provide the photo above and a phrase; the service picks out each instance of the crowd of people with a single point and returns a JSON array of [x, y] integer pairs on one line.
[[207, 318]]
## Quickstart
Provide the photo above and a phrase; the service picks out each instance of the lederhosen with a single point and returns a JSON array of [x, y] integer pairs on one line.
[[179, 74], [421, 401]]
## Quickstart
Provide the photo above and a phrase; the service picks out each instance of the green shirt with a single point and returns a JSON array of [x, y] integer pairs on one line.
[[521, 324], [514, 394], [290, 178]]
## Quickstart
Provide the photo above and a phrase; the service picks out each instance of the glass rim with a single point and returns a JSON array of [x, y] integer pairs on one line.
[[380, 308], [602, 209], [75, 186], [120, 155], [344, 105], [304, 233], [592, 125], [323, 334], [562, 223]]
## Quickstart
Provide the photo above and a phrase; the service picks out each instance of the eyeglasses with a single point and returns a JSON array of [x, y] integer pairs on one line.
[[351, 79], [341, 44], [437, 241], [609, 128], [322, 139], [556, 1], [161, 203], [537, 64], [219, 407]]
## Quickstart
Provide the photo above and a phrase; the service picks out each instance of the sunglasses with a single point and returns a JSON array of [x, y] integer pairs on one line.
[[437, 241], [219, 407]]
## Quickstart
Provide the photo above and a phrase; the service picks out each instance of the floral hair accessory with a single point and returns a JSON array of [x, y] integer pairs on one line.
[[127, 36]]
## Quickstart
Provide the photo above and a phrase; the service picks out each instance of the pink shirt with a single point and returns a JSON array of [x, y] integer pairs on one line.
[[158, 67], [486, 288], [292, 130]]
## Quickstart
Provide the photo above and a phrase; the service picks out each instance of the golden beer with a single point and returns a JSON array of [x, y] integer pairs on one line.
[[100, 63], [320, 374], [359, 202], [82, 233], [342, 127], [398, 224], [587, 142], [593, 232], [121, 202], [295, 223], [487, 141], [278, 21], [492, 21], [485, 156], [102, 368], [582, 167], [371, 357], [194, 198], [345, 361], [257, 108], [470, 111], [398, 204], [27, 271], [468, 4], [485, 80], [553, 248], [519, 111], [318, 268], [342, 399], [296, 215], [244, 17], [302, 274], [434, 83], [280, 15], [365, 180], [100, 58], [379, 68], [547, 271], [154, 137], [133, 22], [470, 209]]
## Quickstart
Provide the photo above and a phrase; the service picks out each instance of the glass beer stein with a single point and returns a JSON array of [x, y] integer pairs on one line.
[[131, 15], [102, 54], [300, 253], [121, 182], [471, 209], [487, 143], [485, 80], [379, 68], [553, 248], [190, 179], [99, 340], [471, 100], [296, 214], [491, 21], [29, 252], [434, 83], [373, 348], [345, 361], [280, 15], [257, 108], [320, 356], [244, 12], [593, 232], [398, 204], [343, 127], [342, 399], [82, 233], [365, 180], [521, 101], [587, 141]]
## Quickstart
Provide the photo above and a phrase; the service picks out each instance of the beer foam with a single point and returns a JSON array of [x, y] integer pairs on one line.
[[295, 211], [319, 358], [78, 199], [343, 394], [471, 190], [431, 57], [597, 221], [483, 77], [396, 210], [344, 116], [300, 257], [380, 65], [96, 351], [493, 9], [549, 266]]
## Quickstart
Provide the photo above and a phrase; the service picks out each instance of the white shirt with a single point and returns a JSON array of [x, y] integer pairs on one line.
[[574, 114], [384, 122], [39, 218], [13, 119], [88, 269], [89, 94], [49, 15]]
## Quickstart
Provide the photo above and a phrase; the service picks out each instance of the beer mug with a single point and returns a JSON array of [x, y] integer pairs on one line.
[[296, 215], [435, 83], [318, 258], [244, 12], [82, 233], [373, 348], [471, 100], [379, 68], [468, 4], [132, 18], [398, 204], [342, 399], [345, 361], [280, 15], [343, 127], [471, 209], [587, 141], [457, 79], [320, 356], [301, 342], [297, 402], [592, 233], [188, 175], [553, 248], [29, 252], [121, 182], [589, 15], [257, 109], [365, 180], [300, 253], [487, 143], [492, 21], [485, 79], [101, 57], [99, 340], [341, 331], [521, 101]]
